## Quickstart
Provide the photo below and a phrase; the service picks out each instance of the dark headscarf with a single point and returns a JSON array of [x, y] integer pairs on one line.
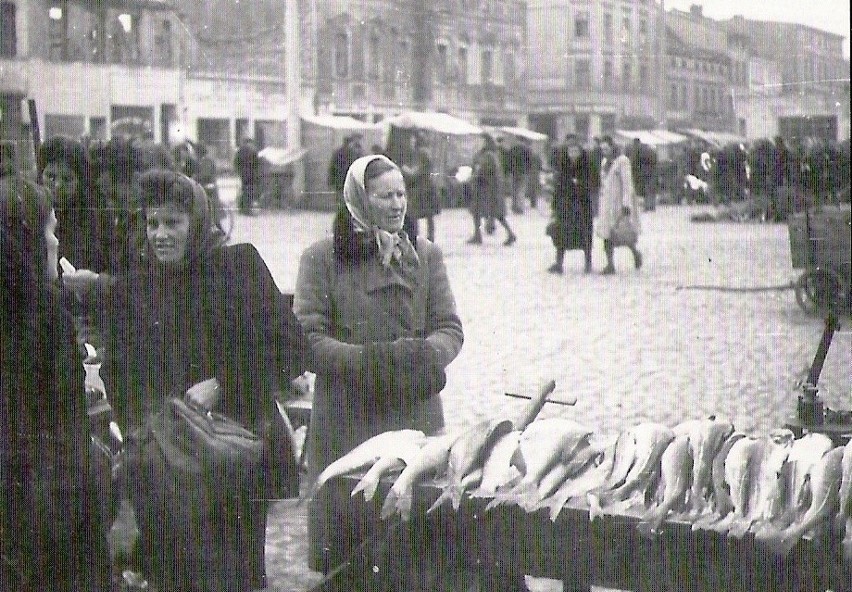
[[161, 187]]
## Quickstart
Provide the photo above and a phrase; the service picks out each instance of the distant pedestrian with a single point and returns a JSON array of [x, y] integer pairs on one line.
[[533, 179], [249, 167], [422, 198], [519, 160], [342, 158], [571, 227], [618, 205], [643, 160], [488, 198]]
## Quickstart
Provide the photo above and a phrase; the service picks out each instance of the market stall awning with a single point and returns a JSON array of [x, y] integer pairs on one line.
[[669, 137], [441, 123], [523, 132], [643, 136], [343, 122], [280, 157]]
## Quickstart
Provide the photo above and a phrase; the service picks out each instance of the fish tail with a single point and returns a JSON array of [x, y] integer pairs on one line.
[[847, 542], [451, 492], [739, 527], [840, 523], [390, 507], [595, 509]]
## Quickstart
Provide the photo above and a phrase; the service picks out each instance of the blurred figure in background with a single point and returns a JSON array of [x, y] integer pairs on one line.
[[519, 159], [249, 167], [488, 199], [416, 166], [571, 226], [341, 160], [618, 201]]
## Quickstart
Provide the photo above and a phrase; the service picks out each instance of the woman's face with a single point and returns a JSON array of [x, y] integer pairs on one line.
[[62, 181], [52, 244], [168, 232], [388, 200]]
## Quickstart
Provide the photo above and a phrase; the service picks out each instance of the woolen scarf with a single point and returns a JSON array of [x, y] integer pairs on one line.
[[392, 246]]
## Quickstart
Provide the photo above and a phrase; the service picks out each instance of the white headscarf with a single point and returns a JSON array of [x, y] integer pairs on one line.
[[392, 246]]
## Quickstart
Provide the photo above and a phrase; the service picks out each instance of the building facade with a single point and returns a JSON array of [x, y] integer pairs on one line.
[[594, 65], [375, 58], [95, 69]]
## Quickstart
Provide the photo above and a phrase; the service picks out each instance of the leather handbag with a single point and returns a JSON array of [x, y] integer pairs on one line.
[[214, 438], [623, 234]]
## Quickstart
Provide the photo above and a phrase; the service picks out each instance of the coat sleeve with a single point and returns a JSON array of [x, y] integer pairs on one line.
[[312, 304], [626, 178], [444, 332], [280, 331]]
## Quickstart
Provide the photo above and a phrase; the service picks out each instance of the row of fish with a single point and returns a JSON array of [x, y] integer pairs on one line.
[[701, 472]]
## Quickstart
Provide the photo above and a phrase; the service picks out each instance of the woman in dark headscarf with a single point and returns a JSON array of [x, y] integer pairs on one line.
[[51, 537], [381, 319], [63, 167], [571, 227], [200, 310]]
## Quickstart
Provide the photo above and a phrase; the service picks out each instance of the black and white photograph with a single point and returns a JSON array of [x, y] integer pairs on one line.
[[425, 296]]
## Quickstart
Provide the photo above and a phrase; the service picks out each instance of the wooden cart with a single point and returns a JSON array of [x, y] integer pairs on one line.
[[821, 245], [607, 551]]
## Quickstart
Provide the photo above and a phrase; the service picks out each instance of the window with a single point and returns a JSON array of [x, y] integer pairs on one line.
[[643, 30], [509, 67], [644, 77], [684, 97], [8, 31], [674, 100], [626, 78], [608, 75], [442, 62], [57, 48], [581, 25], [375, 66], [125, 38], [607, 27], [163, 44], [487, 74], [625, 25], [583, 74], [462, 76], [341, 54]]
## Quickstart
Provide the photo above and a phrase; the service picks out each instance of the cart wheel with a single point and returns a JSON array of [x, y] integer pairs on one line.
[[819, 291]]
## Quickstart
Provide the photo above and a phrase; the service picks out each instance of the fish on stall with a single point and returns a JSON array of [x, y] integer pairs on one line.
[[721, 504], [498, 470], [739, 478], [467, 453], [391, 461], [541, 446], [805, 452], [431, 460], [844, 511], [365, 455], [676, 475], [651, 441], [588, 478], [825, 478], [625, 456], [706, 437], [766, 488]]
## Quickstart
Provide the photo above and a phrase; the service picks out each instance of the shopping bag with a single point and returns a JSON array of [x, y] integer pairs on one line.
[[623, 234]]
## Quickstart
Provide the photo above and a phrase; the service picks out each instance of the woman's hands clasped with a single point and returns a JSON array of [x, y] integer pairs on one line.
[[400, 372]]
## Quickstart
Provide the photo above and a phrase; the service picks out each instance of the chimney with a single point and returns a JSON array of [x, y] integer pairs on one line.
[[696, 10]]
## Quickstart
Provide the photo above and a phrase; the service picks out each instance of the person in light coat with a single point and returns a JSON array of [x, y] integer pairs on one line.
[[617, 199], [380, 317]]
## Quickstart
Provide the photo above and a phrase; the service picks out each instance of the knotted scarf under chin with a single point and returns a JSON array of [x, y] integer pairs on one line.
[[395, 247]]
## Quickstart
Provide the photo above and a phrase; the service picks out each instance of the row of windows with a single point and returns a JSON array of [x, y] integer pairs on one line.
[[105, 34], [705, 99], [698, 65], [492, 64], [583, 30], [582, 76]]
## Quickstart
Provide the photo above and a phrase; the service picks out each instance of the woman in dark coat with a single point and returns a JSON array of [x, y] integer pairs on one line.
[[571, 227], [487, 187], [422, 198], [63, 167], [200, 310], [381, 319], [51, 537]]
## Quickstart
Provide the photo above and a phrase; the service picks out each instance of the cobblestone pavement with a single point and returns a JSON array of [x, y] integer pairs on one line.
[[640, 345]]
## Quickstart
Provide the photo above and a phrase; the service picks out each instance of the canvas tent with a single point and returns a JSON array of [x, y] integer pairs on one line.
[[453, 142], [321, 136]]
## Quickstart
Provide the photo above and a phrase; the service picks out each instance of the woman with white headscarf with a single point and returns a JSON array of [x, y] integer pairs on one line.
[[381, 320]]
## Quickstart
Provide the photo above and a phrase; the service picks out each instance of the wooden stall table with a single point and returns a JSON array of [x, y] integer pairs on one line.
[[608, 551]]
